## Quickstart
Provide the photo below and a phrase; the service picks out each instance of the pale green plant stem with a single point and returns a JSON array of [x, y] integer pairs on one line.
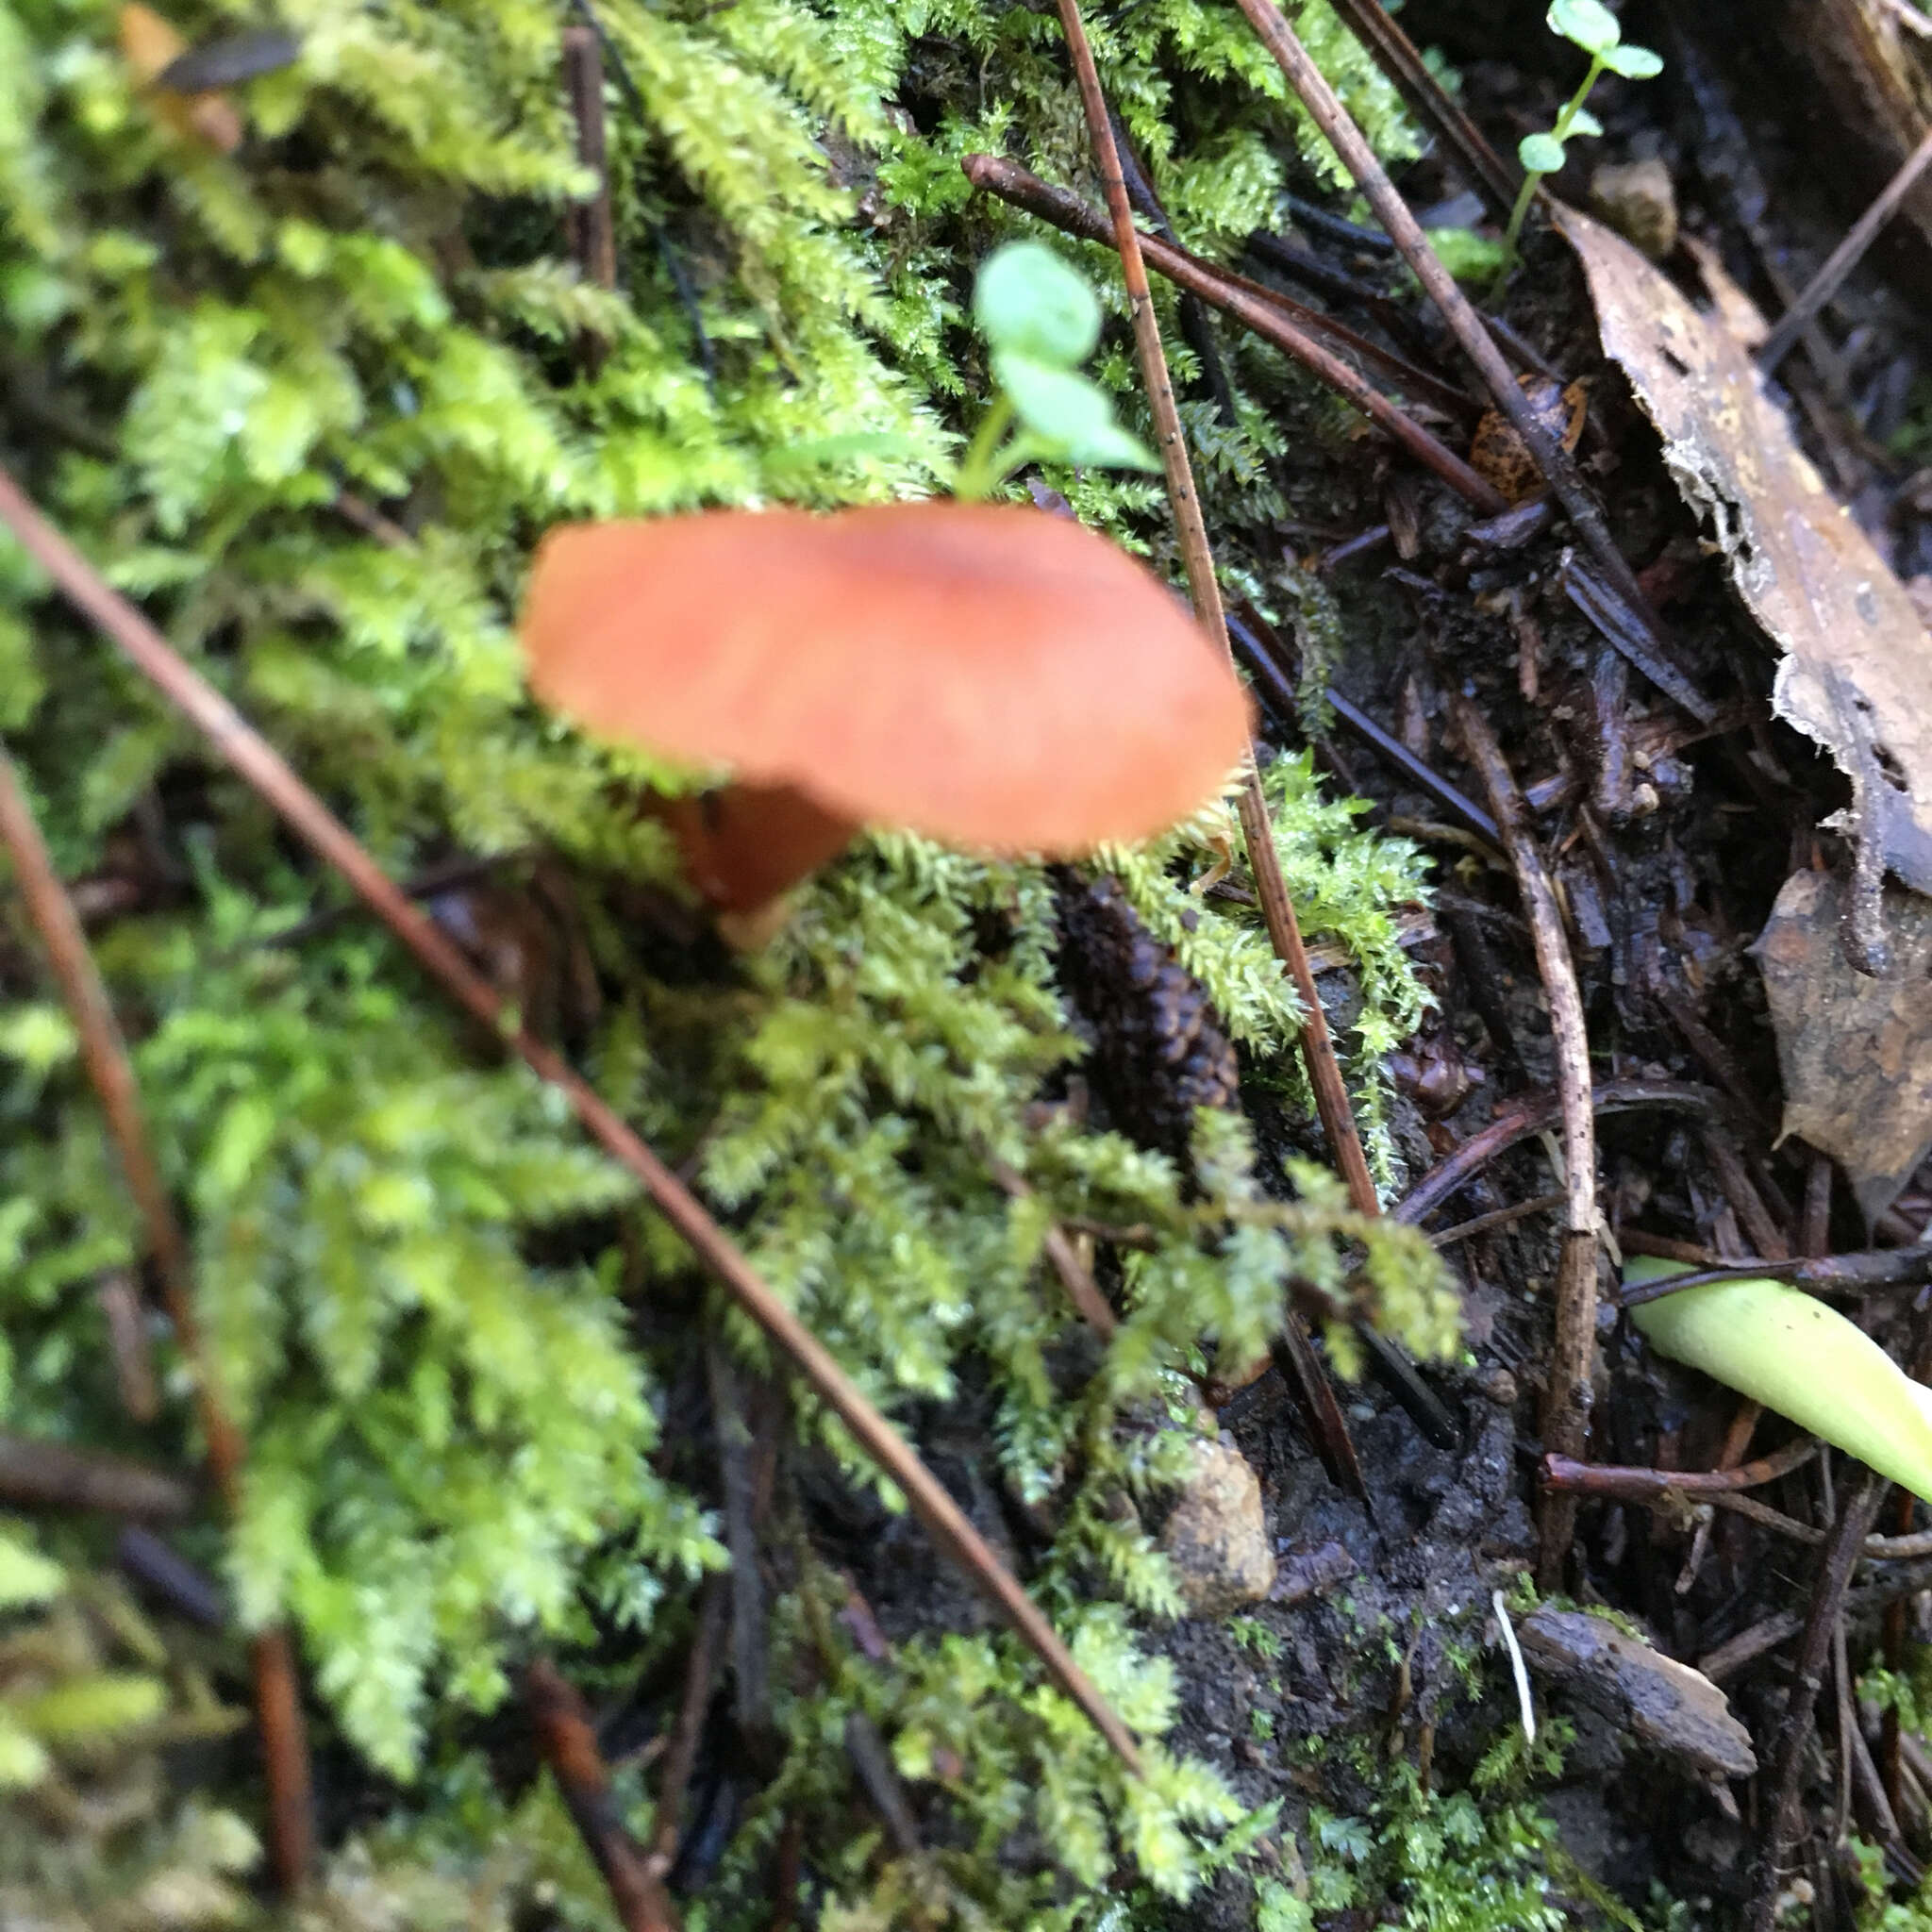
[[1565, 121], [980, 473]]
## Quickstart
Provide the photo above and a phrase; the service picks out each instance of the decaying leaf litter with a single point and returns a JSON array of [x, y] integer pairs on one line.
[[1594, 685]]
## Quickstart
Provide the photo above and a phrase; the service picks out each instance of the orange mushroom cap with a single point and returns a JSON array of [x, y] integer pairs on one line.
[[976, 672]]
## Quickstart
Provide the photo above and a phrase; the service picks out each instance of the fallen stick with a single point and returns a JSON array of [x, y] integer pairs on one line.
[[277, 1702], [583, 1781], [1566, 1394]]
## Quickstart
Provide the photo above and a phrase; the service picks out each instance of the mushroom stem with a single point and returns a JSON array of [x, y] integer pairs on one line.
[[745, 844]]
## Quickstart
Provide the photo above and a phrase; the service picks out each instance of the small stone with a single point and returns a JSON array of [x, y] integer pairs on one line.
[[1499, 1386], [1663, 1705], [1217, 1535], [1638, 200]]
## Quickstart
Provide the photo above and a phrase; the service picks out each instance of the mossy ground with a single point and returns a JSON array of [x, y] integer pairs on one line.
[[463, 1355]]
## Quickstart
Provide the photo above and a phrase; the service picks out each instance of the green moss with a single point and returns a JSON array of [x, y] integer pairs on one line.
[[419, 1283]]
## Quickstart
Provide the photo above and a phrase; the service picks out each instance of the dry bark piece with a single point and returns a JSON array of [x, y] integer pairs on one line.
[[1217, 1535], [1665, 1705], [1856, 674], [1854, 1051], [978, 672]]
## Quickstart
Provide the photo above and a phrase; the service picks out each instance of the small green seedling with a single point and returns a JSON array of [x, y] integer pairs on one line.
[[1591, 26], [1781, 1347], [1043, 322]]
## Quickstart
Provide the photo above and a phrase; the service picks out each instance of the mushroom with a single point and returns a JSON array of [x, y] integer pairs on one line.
[[988, 676]]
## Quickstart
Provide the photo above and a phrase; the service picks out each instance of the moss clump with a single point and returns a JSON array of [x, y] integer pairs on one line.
[[423, 1290]]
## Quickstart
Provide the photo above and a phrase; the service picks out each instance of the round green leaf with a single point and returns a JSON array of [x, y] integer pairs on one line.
[[1069, 413], [1541, 154], [1028, 302], [1634, 63], [1584, 121], [1585, 24]]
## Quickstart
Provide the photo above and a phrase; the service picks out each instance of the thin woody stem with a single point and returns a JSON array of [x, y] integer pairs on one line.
[[278, 1704], [1277, 910], [257, 762], [1567, 1397]]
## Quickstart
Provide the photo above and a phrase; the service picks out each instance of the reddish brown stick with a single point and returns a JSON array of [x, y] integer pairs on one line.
[[1636, 1484], [264, 767], [1549, 455], [569, 1748], [278, 1702], [1277, 910], [1567, 1397]]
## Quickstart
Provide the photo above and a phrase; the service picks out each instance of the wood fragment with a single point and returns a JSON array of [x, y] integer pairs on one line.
[[251, 755], [1567, 1397], [278, 1705], [53, 1476], [681, 1756], [1641, 1485], [583, 1781], [1277, 910], [1844, 257], [1856, 1515]]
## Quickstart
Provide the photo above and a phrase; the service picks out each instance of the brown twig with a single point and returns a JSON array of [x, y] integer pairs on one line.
[[1271, 316], [1394, 52], [1528, 1117], [1496, 1216], [51, 1475], [279, 1706], [1822, 1275], [583, 1781], [1843, 258], [700, 1670], [257, 761], [1277, 910], [1767, 1237], [1081, 1288], [1639, 1485], [119, 1296], [1261, 648], [1301, 1369], [1550, 457], [1567, 1397], [1857, 1514], [873, 1764], [592, 229]]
